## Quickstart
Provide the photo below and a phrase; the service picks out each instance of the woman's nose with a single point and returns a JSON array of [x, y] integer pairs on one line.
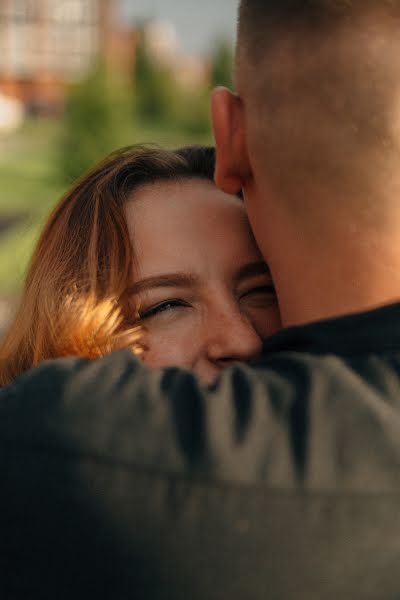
[[232, 338]]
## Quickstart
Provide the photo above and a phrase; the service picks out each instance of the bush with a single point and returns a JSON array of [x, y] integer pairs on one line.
[[94, 123], [222, 65], [155, 89], [194, 116]]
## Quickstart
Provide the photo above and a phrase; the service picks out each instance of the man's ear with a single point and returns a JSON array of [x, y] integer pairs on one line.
[[232, 164]]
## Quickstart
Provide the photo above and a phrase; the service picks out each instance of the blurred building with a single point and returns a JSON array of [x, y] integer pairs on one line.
[[12, 114], [192, 73], [161, 40], [46, 44]]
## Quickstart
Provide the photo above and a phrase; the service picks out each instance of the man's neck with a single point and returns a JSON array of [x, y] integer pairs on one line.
[[325, 278], [313, 302]]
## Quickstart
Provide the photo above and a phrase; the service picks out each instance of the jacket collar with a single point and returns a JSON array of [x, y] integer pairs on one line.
[[375, 331]]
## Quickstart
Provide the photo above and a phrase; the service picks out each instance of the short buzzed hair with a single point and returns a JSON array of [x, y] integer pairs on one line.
[[309, 13], [328, 73]]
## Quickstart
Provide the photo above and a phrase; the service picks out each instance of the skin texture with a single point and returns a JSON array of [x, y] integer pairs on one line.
[[207, 311]]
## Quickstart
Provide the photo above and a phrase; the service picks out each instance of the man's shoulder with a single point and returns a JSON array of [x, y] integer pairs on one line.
[[286, 419], [287, 470]]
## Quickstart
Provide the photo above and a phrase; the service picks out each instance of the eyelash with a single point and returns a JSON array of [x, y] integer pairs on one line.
[[162, 307], [176, 303]]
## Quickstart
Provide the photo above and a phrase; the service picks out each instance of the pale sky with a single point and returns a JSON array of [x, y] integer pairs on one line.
[[198, 22]]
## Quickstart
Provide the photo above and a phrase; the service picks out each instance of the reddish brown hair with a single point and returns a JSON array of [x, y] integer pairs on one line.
[[73, 300]]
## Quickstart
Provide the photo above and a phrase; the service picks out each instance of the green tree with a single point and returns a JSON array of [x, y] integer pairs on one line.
[[222, 64], [155, 89], [93, 124], [194, 113]]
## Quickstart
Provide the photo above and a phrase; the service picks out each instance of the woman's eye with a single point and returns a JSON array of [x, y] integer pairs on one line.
[[266, 290], [167, 305]]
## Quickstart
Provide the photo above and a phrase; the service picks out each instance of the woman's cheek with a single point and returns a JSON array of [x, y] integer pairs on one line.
[[172, 346]]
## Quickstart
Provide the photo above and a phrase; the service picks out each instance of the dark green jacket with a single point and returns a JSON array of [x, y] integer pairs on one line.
[[282, 481]]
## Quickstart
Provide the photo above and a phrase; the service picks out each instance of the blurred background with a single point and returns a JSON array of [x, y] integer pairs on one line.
[[79, 78]]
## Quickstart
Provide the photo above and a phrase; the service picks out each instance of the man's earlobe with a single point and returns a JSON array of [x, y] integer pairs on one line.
[[232, 165]]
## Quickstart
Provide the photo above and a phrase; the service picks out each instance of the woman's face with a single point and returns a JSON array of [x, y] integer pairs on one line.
[[200, 286]]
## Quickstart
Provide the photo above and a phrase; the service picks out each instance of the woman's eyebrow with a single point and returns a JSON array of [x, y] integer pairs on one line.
[[183, 280], [252, 270]]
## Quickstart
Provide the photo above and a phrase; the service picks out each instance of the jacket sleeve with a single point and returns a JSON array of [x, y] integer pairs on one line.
[[122, 482], [292, 420]]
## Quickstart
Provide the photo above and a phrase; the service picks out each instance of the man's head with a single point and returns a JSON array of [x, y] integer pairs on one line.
[[314, 133]]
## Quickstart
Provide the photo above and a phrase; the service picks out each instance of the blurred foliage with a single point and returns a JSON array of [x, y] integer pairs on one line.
[[94, 123], [155, 89], [29, 188], [193, 110], [160, 100], [103, 113], [222, 65]]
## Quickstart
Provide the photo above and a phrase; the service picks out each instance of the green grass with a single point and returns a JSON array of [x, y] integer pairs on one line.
[[30, 185]]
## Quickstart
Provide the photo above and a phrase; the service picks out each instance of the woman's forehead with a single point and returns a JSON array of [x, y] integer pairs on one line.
[[194, 202], [186, 225]]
